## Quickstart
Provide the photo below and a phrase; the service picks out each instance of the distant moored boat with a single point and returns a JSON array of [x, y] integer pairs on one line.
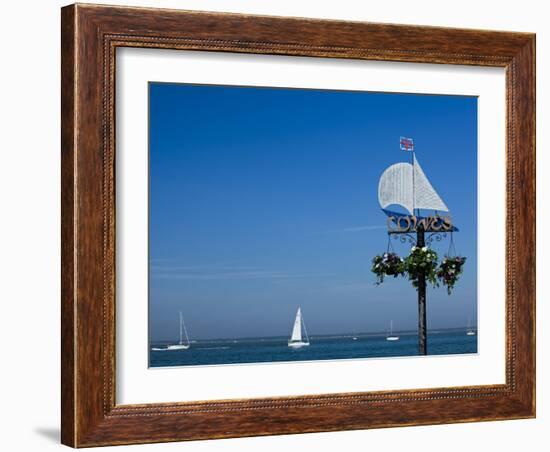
[[390, 336], [181, 345], [469, 330]]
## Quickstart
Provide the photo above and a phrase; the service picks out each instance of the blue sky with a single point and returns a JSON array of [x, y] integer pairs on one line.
[[264, 199]]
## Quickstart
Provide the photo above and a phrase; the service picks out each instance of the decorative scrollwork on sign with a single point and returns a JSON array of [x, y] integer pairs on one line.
[[437, 236], [404, 238]]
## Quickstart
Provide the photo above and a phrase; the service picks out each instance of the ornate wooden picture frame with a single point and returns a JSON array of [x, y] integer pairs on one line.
[[90, 37]]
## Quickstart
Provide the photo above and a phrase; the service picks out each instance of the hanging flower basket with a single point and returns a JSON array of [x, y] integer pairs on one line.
[[387, 264], [449, 271], [421, 261]]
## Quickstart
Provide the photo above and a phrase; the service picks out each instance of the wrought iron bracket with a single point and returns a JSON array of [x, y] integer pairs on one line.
[[403, 237]]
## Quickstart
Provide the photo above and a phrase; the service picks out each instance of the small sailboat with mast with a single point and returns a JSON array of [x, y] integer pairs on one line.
[[181, 345], [390, 336], [469, 330], [296, 340]]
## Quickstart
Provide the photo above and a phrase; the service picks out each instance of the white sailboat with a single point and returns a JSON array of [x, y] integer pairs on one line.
[[181, 345], [469, 330], [296, 340], [390, 336], [406, 185]]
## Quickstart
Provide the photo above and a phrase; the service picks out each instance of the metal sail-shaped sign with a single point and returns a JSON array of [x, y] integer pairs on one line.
[[406, 185], [395, 187], [425, 196]]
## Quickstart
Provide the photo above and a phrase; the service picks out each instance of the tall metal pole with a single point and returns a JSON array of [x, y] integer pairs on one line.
[[420, 242], [414, 212], [422, 337]]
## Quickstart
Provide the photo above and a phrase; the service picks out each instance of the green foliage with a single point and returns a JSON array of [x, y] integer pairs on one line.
[[387, 264], [449, 271], [420, 262]]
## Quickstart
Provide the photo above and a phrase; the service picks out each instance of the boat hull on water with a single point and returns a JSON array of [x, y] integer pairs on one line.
[[171, 348], [177, 347], [298, 344]]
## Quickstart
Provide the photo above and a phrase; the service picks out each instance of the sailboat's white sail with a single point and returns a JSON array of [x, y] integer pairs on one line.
[[406, 185], [296, 337], [297, 330]]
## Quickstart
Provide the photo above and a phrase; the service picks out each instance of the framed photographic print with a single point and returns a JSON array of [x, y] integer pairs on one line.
[[281, 225]]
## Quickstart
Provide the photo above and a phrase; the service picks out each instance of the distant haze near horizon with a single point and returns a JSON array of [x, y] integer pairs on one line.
[[343, 334], [265, 199]]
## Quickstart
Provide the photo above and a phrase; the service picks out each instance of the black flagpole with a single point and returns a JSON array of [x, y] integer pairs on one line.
[[420, 243], [422, 335]]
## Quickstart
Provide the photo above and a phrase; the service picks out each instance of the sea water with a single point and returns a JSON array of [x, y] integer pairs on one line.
[[275, 349]]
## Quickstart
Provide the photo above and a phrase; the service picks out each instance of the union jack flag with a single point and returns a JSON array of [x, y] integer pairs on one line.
[[406, 144]]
